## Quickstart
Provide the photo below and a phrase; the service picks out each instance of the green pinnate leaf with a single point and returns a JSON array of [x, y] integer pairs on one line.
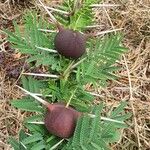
[[33, 138], [118, 110], [27, 105], [38, 146], [14, 143]]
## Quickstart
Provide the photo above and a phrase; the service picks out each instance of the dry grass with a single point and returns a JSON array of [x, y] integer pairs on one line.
[[134, 82], [132, 86], [10, 118]]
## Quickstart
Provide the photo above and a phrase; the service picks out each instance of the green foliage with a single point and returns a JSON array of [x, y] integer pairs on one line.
[[34, 118], [27, 105], [96, 67], [80, 14], [18, 145], [91, 132], [14, 143], [59, 91], [33, 85], [28, 41]]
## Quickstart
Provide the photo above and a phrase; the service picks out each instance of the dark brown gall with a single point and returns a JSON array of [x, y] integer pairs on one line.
[[69, 43], [61, 121]]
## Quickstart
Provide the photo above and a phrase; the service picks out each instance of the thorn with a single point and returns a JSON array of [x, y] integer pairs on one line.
[[107, 31], [38, 94], [107, 119], [36, 122], [104, 5], [46, 30], [46, 49], [51, 16], [45, 103], [58, 10], [94, 26], [42, 75]]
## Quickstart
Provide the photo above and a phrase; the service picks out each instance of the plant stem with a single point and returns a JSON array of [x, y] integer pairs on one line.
[[68, 103], [45, 103], [76, 64], [68, 69]]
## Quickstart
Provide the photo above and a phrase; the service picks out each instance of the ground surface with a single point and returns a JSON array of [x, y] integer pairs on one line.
[[133, 84]]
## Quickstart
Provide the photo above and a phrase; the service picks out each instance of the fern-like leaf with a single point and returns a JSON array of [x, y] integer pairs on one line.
[[27, 105], [99, 65], [81, 15]]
